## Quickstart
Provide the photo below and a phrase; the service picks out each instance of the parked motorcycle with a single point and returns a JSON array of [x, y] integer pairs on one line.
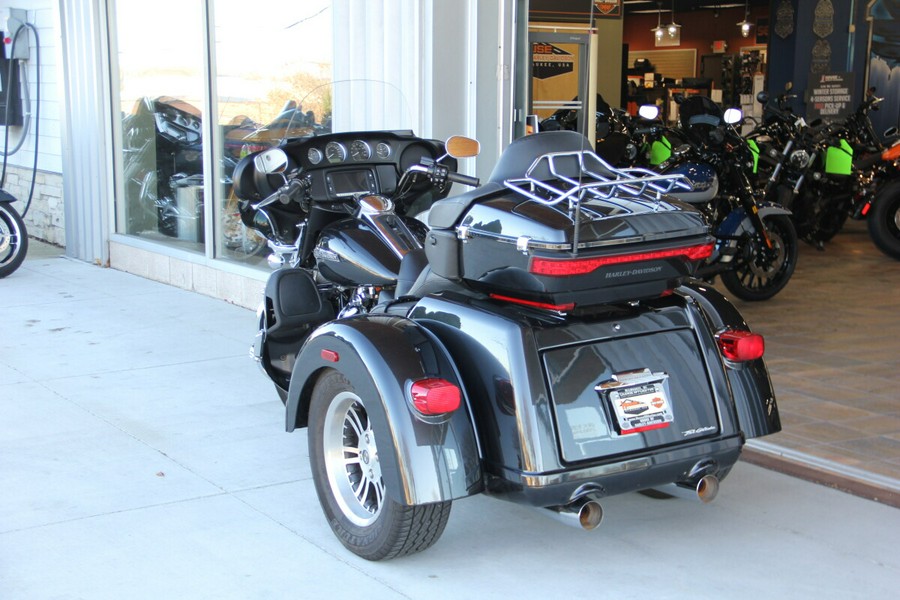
[[540, 340], [756, 243], [13, 236]]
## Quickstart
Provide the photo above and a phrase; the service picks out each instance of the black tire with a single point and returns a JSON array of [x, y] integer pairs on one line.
[[13, 240], [884, 221], [749, 278], [349, 483]]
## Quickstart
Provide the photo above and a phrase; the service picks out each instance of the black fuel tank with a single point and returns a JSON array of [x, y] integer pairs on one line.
[[349, 252]]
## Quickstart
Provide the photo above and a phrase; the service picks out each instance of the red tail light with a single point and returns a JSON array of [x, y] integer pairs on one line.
[[533, 304], [562, 267], [741, 346], [435, 396]]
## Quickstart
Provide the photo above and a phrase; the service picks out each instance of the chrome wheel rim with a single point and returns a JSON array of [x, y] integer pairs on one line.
[[9, 239], [351, 460]]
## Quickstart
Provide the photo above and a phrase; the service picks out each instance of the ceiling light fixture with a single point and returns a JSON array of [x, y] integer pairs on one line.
[[658, 31], [673, 27], [745, 25]]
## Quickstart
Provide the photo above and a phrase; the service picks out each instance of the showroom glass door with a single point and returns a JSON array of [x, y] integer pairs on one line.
[[159, 57], [559, 79]]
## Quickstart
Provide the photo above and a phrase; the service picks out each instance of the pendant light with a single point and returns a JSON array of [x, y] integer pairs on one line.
[[658, 31], [673, 27], [745, 25]]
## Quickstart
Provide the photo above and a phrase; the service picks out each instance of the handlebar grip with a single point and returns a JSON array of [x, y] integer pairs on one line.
[[463, 179]]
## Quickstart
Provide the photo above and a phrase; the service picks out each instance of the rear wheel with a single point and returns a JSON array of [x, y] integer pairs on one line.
[[13, 239], [884, 221], [347, 474], [758, 273]]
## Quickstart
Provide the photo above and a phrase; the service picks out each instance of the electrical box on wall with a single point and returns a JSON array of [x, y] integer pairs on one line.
[[11, 20], [10, 92]]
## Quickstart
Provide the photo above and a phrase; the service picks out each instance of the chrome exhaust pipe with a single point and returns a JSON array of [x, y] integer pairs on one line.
[[705, 489], [585, 512]]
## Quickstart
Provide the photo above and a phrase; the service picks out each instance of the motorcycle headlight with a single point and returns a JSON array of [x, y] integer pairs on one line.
[[799, 159]]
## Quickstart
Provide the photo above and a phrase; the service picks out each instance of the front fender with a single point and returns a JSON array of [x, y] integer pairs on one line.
[[423, 460], [751, 387], [738, 222]]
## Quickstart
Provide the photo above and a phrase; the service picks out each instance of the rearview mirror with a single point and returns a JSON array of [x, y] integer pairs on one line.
[[462, 147], [271, 161], [648, 111], [733, 115]]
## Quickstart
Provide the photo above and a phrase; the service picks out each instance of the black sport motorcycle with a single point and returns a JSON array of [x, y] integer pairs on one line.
[[756, 243], [539, 340]]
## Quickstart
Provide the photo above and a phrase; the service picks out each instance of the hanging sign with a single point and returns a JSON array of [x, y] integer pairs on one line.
[[608, 9], [784, 19], [823, 19], [830, 96]]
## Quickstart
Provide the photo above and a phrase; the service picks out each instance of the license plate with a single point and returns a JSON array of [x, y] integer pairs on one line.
[[639, 400]]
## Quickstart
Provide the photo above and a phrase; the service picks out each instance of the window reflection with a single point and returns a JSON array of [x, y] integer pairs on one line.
[[160, 63], [264, 95]]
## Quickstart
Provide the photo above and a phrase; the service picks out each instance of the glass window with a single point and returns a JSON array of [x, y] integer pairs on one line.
[[161, 95], [279, 89]]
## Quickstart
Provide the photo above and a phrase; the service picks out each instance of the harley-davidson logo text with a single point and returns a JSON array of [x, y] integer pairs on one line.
[[633, 272]]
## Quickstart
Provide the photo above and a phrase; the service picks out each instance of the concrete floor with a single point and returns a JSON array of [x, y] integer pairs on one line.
[[142, 455]]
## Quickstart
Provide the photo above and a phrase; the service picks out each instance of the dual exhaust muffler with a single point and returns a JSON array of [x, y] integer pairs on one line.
[[586, 512]]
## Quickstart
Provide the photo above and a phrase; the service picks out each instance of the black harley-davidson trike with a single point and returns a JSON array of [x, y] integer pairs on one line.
[[540, 339]]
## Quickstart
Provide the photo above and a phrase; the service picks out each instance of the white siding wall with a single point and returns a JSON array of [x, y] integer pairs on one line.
[[43, 15]]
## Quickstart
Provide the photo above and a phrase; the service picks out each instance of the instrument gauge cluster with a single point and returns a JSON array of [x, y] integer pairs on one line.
[[343, 150]]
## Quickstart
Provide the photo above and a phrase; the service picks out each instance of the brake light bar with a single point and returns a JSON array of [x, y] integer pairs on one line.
[[741, 346], [564, 267], [533, 304]]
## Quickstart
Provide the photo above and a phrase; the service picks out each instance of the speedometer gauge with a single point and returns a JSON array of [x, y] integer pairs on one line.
[[335, 152], [359, 150]]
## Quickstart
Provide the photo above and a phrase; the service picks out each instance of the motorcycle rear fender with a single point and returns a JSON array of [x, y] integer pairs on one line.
[[738, 223], [6, 196], [423, 459], [754, 397]]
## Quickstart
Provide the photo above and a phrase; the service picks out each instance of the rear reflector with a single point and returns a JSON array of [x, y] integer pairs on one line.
[[330, 355], [563, 267], [435, 396], [741, 346], [533, 304]]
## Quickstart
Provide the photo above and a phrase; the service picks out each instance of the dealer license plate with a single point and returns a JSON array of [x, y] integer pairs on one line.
[[639, 400]]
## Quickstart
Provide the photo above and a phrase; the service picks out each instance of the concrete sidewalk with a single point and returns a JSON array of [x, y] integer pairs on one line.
[[143, 455]]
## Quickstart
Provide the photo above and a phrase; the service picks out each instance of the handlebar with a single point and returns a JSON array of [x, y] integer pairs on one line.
[[463, 179]]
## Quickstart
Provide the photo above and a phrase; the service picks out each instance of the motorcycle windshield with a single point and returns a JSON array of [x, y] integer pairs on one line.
[[344, 105], [699, 111]]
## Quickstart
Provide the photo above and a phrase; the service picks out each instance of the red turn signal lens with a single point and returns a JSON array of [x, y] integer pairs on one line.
[[741, 346], [563, 267], [435, 396]]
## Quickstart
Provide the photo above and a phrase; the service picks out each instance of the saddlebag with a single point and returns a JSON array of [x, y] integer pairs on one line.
[[576, 231]]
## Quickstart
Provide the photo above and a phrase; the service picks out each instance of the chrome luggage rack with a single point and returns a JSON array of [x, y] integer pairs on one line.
[[631, 190], [634, 182]]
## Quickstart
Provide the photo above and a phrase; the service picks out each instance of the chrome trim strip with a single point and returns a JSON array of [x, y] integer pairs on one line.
[[536, 481]]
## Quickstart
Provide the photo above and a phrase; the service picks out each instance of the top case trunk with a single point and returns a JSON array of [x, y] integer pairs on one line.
[[567, 235]]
